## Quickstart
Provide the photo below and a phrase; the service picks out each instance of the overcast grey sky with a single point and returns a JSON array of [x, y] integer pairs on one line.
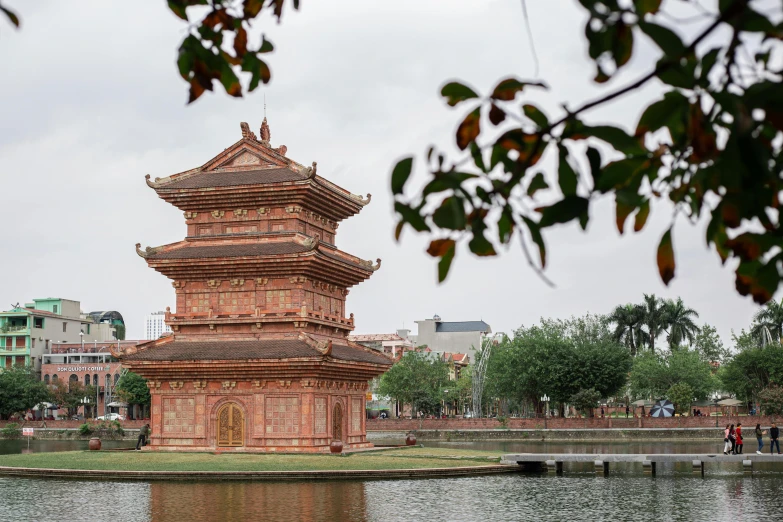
[[92, 101]]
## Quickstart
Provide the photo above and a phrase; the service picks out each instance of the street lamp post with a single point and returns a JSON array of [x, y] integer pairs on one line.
[[715, 398], [545, 400]]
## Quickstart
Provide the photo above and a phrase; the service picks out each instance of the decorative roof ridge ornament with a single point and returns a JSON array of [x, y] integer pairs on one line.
[[265, 133], [370, 266], [325, 347], [152, 184], [311, 243], [147, 251], [311, 171], [362, 201], [247, 134]]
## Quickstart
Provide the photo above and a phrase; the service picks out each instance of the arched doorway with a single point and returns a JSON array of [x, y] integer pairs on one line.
[[337, 422], [230, 426]]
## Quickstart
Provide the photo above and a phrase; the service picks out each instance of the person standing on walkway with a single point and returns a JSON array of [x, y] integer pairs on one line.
[[143, 434], [627, 411], [773, 439], [732, 439], [726, 441], [760, 438], [738, 436]]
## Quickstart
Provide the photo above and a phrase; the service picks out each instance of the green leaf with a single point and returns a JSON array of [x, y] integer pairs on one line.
[[676, 74], [647, 6], [622, 44], [450, 214], [662, 113], [622, 211], [566, 176], [400, 174], [617, 138], [469, 129], [537, 183], [708, 62], [505, 225], [456, 93], [507, 89], [535, 235], [618, 174], [565, 210], [439, 247], [411, 216], [594, 157], [478, 159], [666, 39], [480, 245], [535, 114], [641, 216], [665, 258], [445, 263], [11, 16]]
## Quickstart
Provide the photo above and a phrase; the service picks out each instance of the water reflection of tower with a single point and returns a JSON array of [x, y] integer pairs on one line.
[[248, 501]]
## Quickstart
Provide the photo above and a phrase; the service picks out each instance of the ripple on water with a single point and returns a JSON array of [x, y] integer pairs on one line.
[[672, 495]]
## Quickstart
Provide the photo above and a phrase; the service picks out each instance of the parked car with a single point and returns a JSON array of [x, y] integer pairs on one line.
[[112, 417]]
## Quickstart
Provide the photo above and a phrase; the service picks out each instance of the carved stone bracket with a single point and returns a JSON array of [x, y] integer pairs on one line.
[[298, 279], [199, 385], [218, 213], [191, 215], [153, 385], [237, 282], [213, 283], [259, 326], [307, 383], [175, 328], [261, 281], [263, 210], [284, 384], [211, 326], [178, 284], [176, 385], [293, 209], [228, 385], [240, 212], [259, 384]]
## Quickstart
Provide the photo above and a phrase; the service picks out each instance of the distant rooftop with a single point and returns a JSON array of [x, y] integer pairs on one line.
[[374, 337], [463, 326]]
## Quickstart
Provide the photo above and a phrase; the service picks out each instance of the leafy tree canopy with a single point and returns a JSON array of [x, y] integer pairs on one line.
[[585, 400], [418, 379], [752, 370], [771, 400], [20, 391], [558, 358], [654, 374], [132, 388], [709, 345], [681, 395]]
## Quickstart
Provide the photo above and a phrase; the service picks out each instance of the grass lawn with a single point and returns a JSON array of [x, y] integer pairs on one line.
[[149, 461]]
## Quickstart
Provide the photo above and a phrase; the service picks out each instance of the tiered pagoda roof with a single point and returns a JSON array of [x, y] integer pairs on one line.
[[259, 279]]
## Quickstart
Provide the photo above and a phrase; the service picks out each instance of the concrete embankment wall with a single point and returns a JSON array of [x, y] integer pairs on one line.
[[601, 435]]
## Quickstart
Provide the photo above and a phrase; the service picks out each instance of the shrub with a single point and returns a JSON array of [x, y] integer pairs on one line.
[[11, 431], [85, 429], [585, 400], [771, 399]]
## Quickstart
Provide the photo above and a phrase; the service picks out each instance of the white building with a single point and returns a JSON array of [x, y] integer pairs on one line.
[[155, 325]]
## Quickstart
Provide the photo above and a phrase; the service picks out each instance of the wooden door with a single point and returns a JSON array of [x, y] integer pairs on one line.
[[231, 425], [337, 422]]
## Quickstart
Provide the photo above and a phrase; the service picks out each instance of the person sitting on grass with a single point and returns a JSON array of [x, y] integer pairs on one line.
[[143, 434]]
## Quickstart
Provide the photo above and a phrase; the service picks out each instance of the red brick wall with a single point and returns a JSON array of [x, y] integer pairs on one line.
[[561, 423]]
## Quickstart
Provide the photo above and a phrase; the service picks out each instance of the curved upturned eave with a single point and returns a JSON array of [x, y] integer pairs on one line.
[[313, 265], [322, 198]]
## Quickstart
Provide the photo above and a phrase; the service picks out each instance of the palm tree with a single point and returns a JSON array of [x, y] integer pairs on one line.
[[679, 320], [769, 319], [628, 326], [653, 318]]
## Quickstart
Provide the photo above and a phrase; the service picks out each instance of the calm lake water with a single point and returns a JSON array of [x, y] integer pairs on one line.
[[674, 494]]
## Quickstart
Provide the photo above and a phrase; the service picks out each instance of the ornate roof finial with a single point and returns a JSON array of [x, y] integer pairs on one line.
[[246, 132], [266, 134]]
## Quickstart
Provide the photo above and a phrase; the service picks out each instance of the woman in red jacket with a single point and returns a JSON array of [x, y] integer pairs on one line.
[[738, 435]]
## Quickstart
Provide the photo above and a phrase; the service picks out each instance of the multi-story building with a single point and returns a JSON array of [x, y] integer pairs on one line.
[[90, 364], [457, 337], [387, 343], [155, 325], [27, 332]]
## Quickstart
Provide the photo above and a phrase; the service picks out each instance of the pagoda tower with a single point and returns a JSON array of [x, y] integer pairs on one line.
[[258, 358]]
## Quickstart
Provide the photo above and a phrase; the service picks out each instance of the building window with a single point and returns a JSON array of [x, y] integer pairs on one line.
[[116, 378], [38, 322], [46, 379], [54, 378], [95, 380], [65, 326], [54, 310], [86, 380]]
